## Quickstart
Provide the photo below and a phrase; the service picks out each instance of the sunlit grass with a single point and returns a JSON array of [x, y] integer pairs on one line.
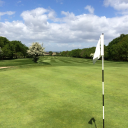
[[62, 92]]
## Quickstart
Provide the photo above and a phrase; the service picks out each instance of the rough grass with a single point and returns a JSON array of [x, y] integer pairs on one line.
[[62, 92]]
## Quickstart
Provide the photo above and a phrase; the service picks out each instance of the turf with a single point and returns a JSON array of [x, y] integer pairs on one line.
[[62, 92]]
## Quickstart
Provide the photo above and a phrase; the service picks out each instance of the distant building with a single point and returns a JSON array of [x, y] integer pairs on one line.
[[54, 53], [46, 53]]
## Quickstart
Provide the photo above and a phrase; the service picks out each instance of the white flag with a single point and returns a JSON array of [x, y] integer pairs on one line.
[[99, 49]]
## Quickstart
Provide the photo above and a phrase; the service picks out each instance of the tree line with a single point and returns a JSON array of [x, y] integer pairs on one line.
[[15, 49], [12, 49], [117, 50]]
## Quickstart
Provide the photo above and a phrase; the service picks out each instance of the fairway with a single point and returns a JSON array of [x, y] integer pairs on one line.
[[62, 92]]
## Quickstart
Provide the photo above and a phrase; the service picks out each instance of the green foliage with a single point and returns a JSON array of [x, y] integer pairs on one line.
[[12, 49], [63, 53], [35, 58], [69, 53], [116, 40], [105, 52], [1, 53], [118, 48], [50, 53], [82, 52], [86, 52], [76, 52], [19, 54], [123, 48], [3, 41], [58, 54], [7, 52], [66, 53]]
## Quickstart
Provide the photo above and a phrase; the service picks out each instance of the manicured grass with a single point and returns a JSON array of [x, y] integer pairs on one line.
[[62, 92]]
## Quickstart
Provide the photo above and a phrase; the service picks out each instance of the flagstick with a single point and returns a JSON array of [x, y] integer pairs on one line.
[[96, 56], [103, 73], [103, 85]]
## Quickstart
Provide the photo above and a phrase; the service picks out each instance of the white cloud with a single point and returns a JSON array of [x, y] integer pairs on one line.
[[62, 44], [59, 1], [90, 9], [19, 2], [68, 17], [71, 31], [36, 19], [1, 2], [119, 5], [51, 14], [6, 13]]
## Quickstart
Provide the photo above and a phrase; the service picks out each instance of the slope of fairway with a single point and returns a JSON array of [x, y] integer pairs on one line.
[[63, 93]]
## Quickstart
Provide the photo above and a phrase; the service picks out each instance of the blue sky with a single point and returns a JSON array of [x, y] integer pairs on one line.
[[63, 24]]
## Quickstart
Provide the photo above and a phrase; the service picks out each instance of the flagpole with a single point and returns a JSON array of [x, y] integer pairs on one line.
[[98, 53], [102, 53]]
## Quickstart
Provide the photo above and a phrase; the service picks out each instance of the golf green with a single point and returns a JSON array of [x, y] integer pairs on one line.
[[62, 92]]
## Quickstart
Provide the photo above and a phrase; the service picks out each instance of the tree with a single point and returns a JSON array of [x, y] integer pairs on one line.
[[66, 53], [117, 48], [1, 53], [7, 51], [123, 45], [76, 53], [82, 53], [35, 50], [105, 52], [12, 48], [69, 54], [18, 48], [113, 46], [3, 41], [50, 53]]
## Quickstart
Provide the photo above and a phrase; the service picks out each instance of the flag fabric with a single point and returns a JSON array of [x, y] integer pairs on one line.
[[99, 49], [98, 53]]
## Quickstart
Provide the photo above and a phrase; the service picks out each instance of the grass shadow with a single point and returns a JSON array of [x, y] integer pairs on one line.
[[92, 119]]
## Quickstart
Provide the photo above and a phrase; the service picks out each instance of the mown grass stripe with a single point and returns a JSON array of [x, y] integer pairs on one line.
[[62, 94]]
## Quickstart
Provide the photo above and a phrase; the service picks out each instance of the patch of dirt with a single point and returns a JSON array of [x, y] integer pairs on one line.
[[6, 67], [3, 67]]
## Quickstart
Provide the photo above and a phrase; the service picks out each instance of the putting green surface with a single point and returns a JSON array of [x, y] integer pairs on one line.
[[63, 92]]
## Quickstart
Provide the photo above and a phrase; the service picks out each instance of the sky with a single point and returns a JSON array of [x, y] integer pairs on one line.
[[63, 25]]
